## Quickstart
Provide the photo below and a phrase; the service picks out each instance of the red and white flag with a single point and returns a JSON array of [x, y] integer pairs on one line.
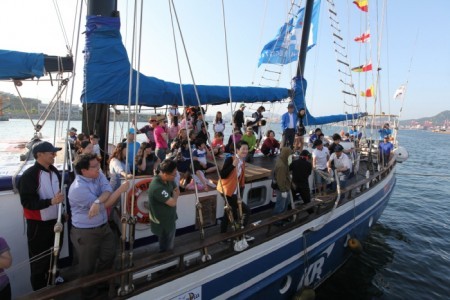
[[364, 38]]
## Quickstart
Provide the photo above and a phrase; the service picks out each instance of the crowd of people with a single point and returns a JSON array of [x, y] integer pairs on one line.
[[177, 152]]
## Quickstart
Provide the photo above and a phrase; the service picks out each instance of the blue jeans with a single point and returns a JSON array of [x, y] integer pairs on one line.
[[166, 240], [282, 203], [343, 177]]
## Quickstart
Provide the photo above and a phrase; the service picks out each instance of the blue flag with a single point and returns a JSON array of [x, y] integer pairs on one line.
[[284, 48]]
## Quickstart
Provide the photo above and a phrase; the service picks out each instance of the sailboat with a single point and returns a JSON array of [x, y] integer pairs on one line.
[[281, 261]]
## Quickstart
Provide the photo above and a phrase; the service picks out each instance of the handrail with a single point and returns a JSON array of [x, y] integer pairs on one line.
[[180, 252], [158, 258]]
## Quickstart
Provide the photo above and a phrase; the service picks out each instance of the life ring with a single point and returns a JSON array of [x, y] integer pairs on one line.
[[140, 209]]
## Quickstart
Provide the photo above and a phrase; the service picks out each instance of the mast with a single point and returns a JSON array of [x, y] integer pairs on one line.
[[96, 116], [305, 37]]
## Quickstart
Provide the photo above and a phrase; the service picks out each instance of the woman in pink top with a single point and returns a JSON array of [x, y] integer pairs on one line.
[[161, 139]]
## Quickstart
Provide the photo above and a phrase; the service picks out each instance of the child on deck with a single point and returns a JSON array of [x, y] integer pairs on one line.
[[219, 124], [217, 144], [199, 156]]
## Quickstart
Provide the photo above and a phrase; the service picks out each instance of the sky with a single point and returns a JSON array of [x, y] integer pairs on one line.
[[414, 48]]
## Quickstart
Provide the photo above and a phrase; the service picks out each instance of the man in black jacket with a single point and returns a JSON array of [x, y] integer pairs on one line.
[[257, 117], [238, 117], [39, 189], [301, 169]]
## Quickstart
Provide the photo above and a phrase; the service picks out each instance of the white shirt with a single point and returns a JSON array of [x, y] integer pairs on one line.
[[341, 162], [291, 121], [116, 167], [173, 111], [219, 127], [321, 157]]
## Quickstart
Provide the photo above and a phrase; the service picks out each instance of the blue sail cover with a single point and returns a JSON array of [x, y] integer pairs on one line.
[[107, 76], [20, 65], [299, 85]]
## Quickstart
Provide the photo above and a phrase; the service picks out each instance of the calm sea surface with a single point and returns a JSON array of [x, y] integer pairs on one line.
[[407, 255]]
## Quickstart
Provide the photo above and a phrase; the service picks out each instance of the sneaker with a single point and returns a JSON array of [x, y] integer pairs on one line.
[[249, 238], [59, 280], [211, 184]]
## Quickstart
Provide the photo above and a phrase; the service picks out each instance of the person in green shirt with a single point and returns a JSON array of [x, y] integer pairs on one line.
[[163, 194], [250, 138]]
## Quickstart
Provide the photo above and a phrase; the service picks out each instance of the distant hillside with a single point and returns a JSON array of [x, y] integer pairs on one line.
[[12, 106], [438, 119]]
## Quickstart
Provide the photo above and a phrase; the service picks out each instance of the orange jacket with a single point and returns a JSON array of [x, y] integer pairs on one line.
[[227, 184]]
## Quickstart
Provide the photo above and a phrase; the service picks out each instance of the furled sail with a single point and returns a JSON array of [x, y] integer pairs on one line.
[[21, 65], [107, 75], [24, 65]]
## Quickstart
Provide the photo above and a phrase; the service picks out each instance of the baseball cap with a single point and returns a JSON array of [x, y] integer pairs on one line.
[[44, 147], [131, 131], [290, 105], [73, 129], [242, 105]]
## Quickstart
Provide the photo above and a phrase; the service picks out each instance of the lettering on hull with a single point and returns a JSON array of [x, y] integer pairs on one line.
[[195, 294], [314, 270]]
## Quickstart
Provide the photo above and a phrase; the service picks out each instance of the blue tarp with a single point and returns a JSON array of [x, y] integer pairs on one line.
[[107, 77], [20, 65]]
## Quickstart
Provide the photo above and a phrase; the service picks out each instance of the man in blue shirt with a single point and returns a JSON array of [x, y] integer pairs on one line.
[[132, 147], [89, 196], [385, 151], [315, 136], [385, 131], [288, 123]]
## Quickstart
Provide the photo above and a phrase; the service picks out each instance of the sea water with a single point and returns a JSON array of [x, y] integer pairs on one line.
[[406, 255]]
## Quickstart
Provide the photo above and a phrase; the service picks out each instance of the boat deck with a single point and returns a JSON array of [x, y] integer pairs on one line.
[[260, 168], [192, 250]]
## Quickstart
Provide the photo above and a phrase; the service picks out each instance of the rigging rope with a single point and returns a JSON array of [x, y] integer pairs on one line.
[[198, 205], [61, 24]]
